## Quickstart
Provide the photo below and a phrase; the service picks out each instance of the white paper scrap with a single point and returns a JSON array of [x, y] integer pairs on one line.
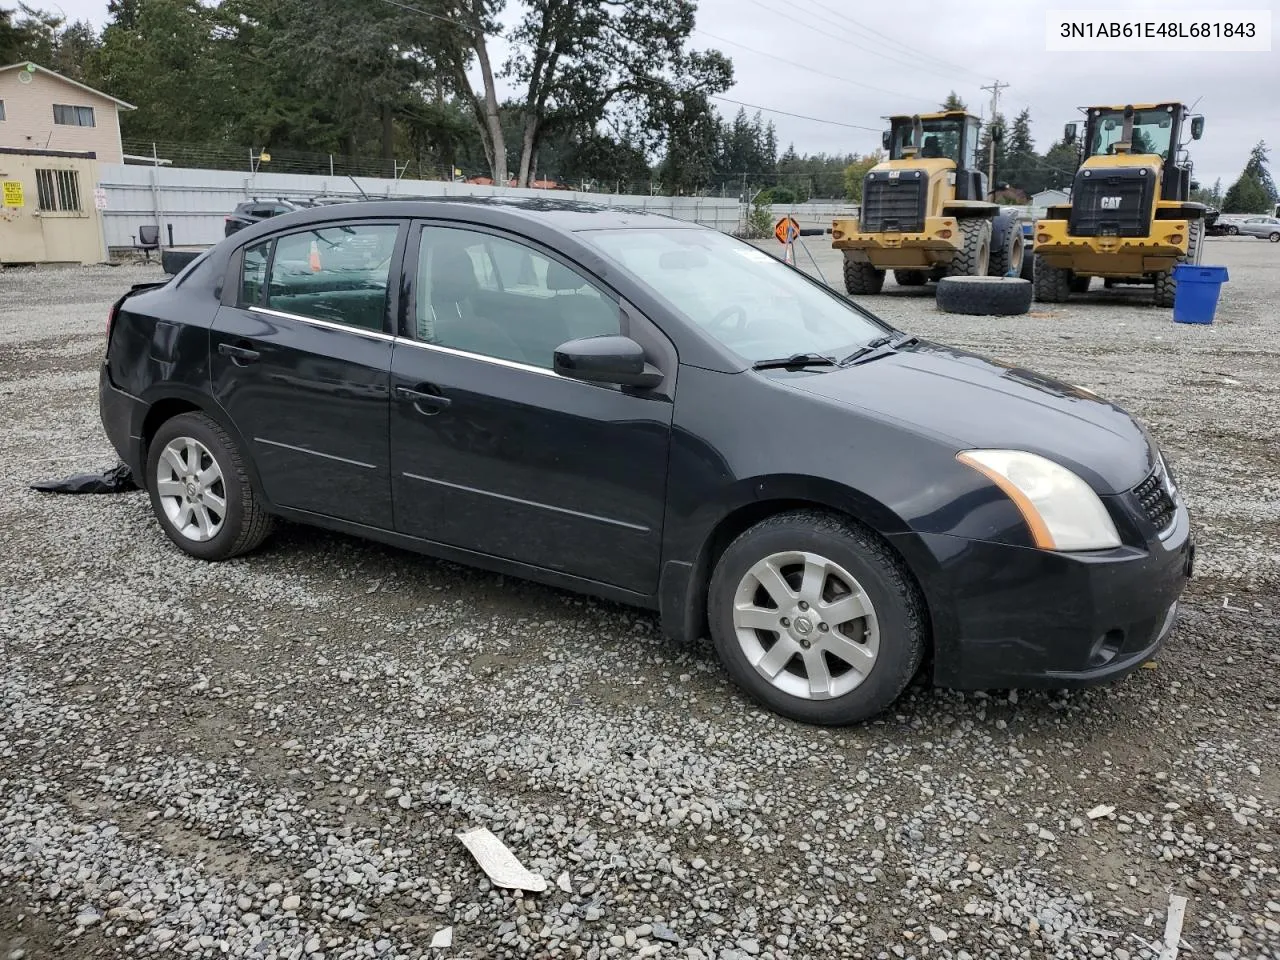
[[500, 863]]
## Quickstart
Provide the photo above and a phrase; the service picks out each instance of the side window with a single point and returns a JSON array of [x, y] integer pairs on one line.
[[334, 273], [500, 298], [253, 275]]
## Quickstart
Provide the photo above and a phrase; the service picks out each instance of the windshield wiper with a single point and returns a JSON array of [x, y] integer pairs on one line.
[[871, 346], [795, 360]]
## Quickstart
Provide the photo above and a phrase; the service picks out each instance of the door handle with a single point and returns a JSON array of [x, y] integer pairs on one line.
[[238, 354], [425, 398]]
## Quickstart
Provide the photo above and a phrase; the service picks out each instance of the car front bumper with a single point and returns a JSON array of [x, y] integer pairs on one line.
[[1009, 617]]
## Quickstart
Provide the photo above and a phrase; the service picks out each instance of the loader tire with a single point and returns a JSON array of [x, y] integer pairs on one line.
[[1053, 284], [1007, 248], [862, 278], [974, 255], [910, 278], [1028, 265], [984, 296], [1166, 285]]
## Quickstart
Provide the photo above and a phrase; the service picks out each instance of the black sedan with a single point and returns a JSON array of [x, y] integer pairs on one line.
[[659, 414]]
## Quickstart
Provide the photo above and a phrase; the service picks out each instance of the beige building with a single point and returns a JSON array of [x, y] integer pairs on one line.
[[43, 110]]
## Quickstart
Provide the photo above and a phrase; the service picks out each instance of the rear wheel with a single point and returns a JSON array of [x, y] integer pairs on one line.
[[1007, 243], [1053, 284], [1165, 290], [910, 278], [1274, 238], [200, 491], [862, 277], [974, 255], [816, 618], [1233, 231]]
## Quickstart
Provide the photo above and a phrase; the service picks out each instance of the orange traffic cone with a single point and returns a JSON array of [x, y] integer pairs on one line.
[[315, 257]]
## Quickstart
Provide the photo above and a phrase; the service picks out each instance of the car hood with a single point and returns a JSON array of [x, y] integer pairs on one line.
[[972, 401]]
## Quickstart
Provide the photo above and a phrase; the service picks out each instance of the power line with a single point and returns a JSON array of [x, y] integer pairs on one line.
[[436, 16], [801, 66], [826, 31], [798, 116], [903, 47]]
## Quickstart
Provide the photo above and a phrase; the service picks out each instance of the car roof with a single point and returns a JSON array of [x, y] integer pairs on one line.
[[560, 214]]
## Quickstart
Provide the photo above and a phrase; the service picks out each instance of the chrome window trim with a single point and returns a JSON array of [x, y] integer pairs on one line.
[[324, 324]]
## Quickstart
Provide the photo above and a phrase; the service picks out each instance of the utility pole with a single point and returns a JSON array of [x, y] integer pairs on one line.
[[995, 88]]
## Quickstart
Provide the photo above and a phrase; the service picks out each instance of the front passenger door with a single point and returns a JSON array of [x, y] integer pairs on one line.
[[494, 452]]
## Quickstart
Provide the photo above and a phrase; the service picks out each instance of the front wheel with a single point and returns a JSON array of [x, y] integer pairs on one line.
[[200, 491], [1274, 238], [816, 619]]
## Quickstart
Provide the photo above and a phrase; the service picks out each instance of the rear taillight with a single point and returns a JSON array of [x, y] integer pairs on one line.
[[111, 319]]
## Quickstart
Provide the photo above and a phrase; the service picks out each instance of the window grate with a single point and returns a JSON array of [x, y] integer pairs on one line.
[[58, 191]]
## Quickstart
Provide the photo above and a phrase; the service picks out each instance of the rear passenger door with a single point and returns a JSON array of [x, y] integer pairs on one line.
[[300, 358]]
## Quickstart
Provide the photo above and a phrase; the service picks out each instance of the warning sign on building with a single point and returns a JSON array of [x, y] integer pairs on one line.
[[13, 193]]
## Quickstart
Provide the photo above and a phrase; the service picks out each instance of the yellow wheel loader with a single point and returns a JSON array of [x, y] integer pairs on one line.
[[1129, 218], [924, 212]]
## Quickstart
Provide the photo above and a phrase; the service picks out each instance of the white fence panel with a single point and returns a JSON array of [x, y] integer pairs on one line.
[[193, 203]]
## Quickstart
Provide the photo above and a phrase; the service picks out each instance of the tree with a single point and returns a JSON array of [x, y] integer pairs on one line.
[[856, 172], [1257, 167], [953, 102], [995, 129], [1021, 161], [1247, 195], [1058, 167], [690, 156], [15, 37], [1211, 197]]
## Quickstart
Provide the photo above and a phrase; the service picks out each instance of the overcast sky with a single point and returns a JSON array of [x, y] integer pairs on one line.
[[856, 67]]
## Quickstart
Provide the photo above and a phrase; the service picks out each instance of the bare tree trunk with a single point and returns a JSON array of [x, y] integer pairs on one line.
[[528, 150], [498, 152]]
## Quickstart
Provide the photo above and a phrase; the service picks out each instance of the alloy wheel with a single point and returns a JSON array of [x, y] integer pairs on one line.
[[806, 625], [191, 490]]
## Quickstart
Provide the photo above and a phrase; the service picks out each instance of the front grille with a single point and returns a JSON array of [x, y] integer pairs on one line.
[[1155, 501], [894, 203], [1112, 203]]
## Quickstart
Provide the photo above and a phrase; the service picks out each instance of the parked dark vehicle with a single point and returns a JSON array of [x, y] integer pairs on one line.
[[255, 211], [658, 414]]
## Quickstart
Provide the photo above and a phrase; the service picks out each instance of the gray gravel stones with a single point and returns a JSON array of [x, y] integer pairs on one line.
[[270, 757]]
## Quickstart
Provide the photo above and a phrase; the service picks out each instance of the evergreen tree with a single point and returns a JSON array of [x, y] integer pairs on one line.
[[1257, 167], [1247, 195], [953, 102]]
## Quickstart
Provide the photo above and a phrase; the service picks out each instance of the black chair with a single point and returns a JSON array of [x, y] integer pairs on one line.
[[147, 239]]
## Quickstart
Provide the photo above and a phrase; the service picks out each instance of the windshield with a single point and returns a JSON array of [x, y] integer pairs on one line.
[[940, 139], [754, 304], [1152, 132]]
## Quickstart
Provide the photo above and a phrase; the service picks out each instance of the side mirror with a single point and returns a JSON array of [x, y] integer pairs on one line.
[[610, 359], [1069, 133], [886, 139], [1197, 127]]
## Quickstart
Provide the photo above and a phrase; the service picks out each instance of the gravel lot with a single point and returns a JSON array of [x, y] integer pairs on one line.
[[270, 757]]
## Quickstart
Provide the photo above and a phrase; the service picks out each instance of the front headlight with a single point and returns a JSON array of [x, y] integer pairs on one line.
[[1061, 510]]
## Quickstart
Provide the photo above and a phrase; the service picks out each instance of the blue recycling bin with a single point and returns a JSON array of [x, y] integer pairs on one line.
[[1195, 299]]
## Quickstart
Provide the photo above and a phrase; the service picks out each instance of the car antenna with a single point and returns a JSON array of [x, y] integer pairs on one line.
[[358, 187]]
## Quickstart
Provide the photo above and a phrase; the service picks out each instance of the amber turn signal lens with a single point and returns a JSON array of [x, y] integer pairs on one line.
[[945, 234], [1175, 238], [837, 234], [1042, 238]]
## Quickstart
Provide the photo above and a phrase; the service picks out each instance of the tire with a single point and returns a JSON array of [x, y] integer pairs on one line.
[[184, 441], [910, 278], [1007, 248], [974, 255], [862, 278], [1028, 265], [887, 642], [1274, 238], [1165, 290], [1053, 284], [1080, 284], [1233, 231], [985, 296]]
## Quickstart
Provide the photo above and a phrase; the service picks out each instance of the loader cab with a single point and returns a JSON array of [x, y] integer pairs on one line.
[[951, 135], [1145, 130]]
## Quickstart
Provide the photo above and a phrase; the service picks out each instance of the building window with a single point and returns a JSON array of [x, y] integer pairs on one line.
[[72, 116], [58, 191], [1, 109]]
